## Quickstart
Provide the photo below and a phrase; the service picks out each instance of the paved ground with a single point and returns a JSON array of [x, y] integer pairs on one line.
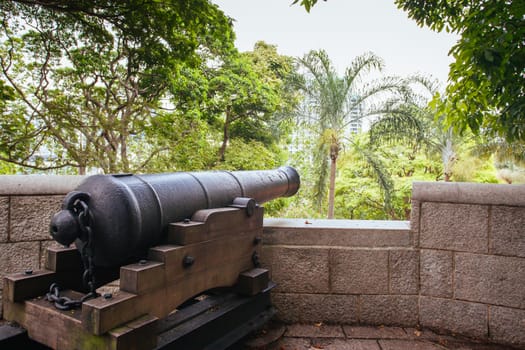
[[330, 337]]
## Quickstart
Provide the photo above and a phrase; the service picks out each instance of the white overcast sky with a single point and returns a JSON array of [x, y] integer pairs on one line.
[[345, 29]]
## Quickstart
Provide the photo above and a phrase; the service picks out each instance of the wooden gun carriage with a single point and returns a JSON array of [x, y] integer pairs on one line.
[[184, 246]]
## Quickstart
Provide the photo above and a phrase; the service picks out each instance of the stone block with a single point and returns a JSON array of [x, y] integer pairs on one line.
[[463, 192], [360, 332], [294, 343], [507, 326], [404, 271], [446, 315], [297, 269], [30, 217], [340, 344], [507, 231], [415, 217], [337, 233], [18, 257], [389, 310], [396, 344], [436, 273], [314, 331], [459, 227], [4, 218], [490, 279], [359, 271], [311, 308]]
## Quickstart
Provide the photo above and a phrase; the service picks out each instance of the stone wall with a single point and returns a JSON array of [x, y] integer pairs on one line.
[[471, 239], [457, 266], [26, 205]]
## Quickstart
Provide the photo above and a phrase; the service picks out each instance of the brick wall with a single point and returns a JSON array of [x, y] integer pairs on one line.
[[457, 266]]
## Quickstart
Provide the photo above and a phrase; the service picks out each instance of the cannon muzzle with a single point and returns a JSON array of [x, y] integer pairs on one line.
[[124, 215]]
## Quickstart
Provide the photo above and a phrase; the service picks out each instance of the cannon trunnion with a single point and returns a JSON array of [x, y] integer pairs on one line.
[[169, 238]]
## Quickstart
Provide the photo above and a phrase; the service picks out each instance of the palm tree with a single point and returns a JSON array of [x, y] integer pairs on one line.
[[414, 122], [331, 104]]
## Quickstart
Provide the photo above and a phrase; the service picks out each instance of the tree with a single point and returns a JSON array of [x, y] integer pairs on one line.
[[158, 36], [487, 85], [413, 122], [87, 78], [250, 94], [84, 114], [333, 103]]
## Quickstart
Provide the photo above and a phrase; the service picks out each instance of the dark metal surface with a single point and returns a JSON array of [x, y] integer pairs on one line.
[[130, 213]]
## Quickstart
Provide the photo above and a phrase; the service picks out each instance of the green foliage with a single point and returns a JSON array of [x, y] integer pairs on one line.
[[86, 82], [158, 35], [487, 85], [332, 103], [475, 169], [250, 96], [173, 142], [308, 4], [249, 155]]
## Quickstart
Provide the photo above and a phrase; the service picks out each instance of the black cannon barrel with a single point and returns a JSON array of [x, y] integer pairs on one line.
[[130, 213]]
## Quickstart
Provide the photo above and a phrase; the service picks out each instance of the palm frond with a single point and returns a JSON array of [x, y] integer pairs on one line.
[[379, 172], [398, 125], [361, 65]]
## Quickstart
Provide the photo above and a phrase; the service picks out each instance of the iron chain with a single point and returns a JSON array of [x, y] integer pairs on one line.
[[88, 277]]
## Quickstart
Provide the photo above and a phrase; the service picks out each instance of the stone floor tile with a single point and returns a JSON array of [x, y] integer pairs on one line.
[[314, 331], [290, 344], [342, 344], [466, 345], [408, 344], [426, 334], [266, 336], [375, 332]]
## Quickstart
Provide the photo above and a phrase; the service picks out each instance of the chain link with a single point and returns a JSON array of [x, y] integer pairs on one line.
[[88, 277], [63, 302]]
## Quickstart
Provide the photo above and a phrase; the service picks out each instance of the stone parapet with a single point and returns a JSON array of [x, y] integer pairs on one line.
[[469, 193], [27, 203], [457, 266], [39, 185], [343, 271], [338, 233]]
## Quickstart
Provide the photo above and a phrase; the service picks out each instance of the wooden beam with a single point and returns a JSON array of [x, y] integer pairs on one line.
[[26, 285], [60, 259], [252, 282], [142, 277], [209, 224]]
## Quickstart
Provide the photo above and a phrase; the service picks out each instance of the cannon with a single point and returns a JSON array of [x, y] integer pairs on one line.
[[168, 239], [130, 213]]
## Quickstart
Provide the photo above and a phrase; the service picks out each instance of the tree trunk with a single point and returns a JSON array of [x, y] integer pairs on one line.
[[331, 191], [334, 153], [225, 139]]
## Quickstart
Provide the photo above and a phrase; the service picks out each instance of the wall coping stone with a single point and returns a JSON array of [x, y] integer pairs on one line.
[[390, 225], [469, 193], [38, 184]]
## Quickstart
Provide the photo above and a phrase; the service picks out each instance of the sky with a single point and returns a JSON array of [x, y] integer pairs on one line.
[[344, 29]]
